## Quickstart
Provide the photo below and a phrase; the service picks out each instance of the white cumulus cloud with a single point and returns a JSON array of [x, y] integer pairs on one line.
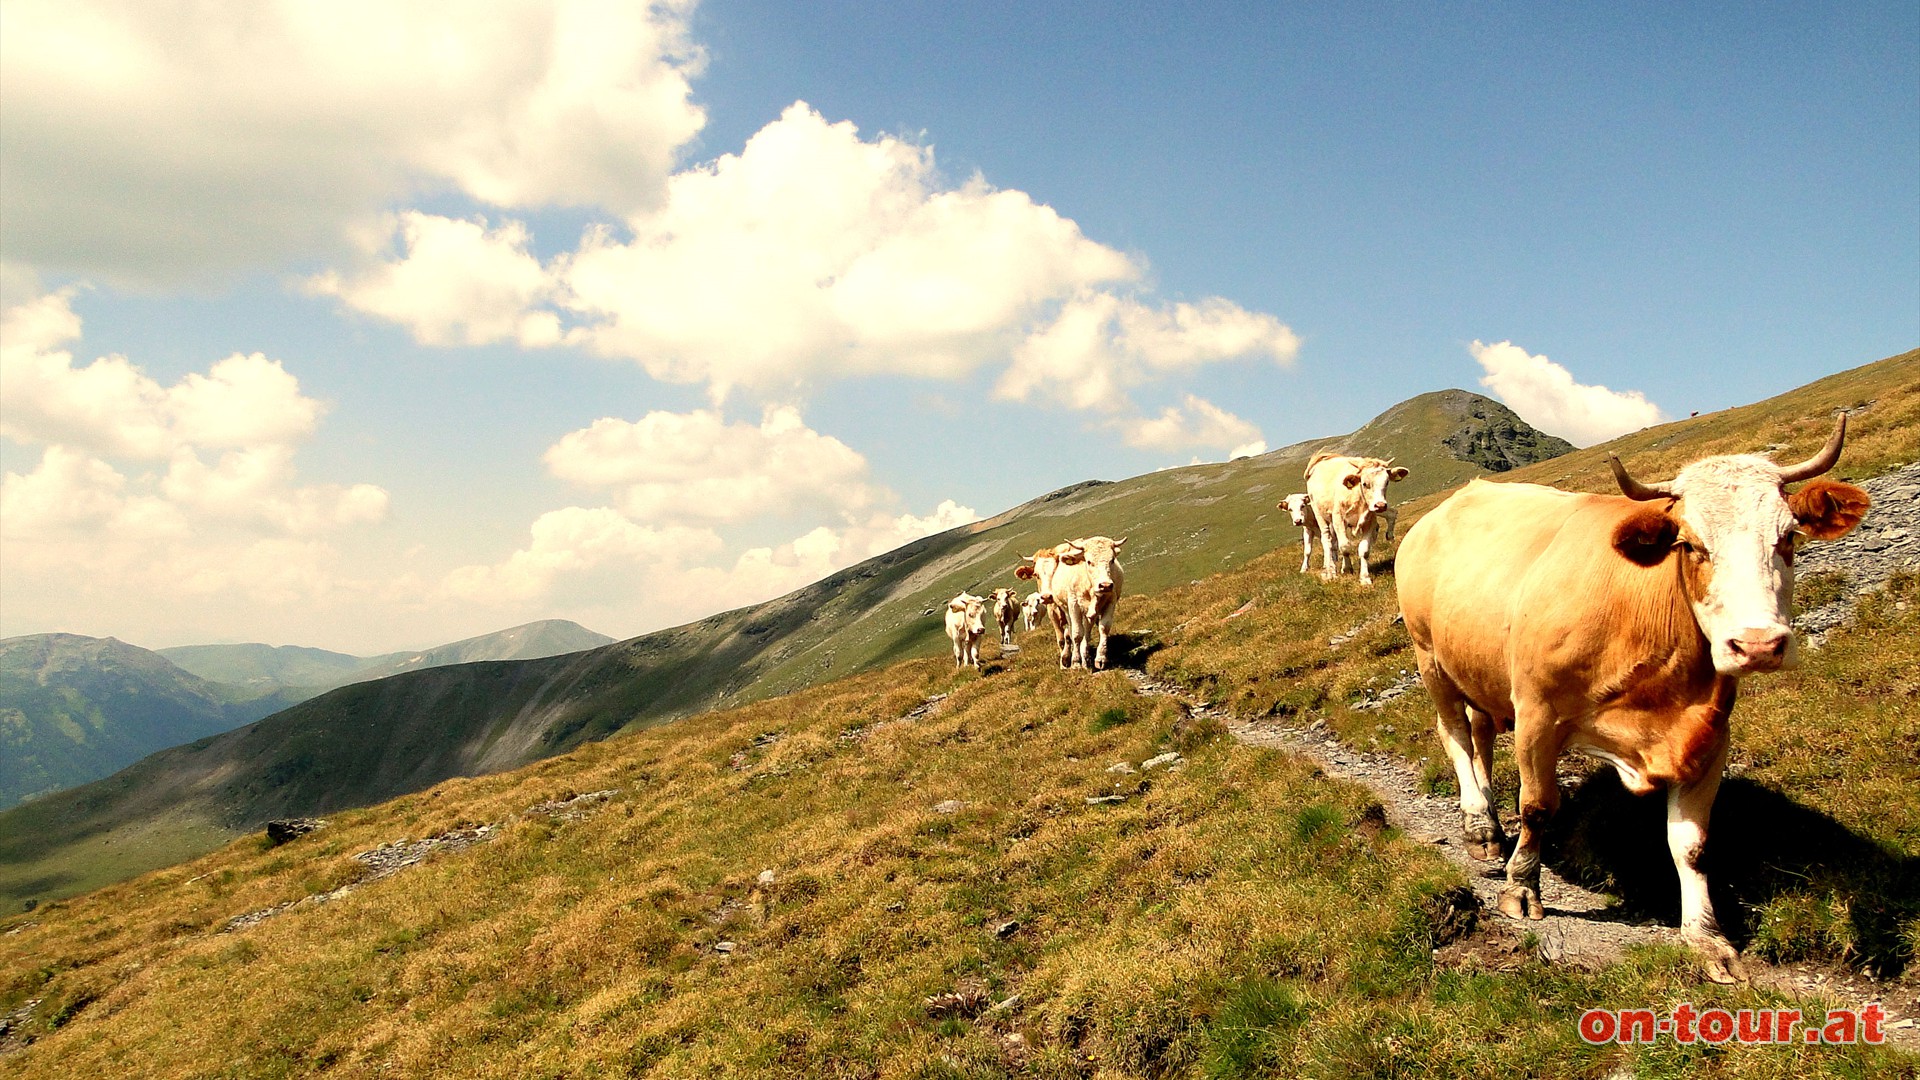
[[1545, 395], [814, 254], [147, 498], [697, 467], [158, 141], [1195, 424]]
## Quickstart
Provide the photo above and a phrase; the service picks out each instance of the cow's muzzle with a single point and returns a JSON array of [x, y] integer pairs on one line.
[[1756, 649]]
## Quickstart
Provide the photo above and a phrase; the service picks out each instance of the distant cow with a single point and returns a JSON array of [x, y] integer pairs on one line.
[[966, 625], [1349, 499], [1088, 583], [1006, 609], [1615, 624], [1300, 508], [1030, 610]]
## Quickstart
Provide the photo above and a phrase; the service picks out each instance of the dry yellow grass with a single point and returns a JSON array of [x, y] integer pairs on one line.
[[1239, 916]]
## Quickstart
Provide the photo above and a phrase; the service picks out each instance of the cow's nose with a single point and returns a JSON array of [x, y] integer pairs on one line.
[[1379, 505], [1104, 587], [1759, 649]]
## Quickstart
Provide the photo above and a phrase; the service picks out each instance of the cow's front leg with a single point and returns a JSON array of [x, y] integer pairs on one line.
[[1688, 808], [1104, 626], [1306, 550], [1362, 547], [1535, 747]]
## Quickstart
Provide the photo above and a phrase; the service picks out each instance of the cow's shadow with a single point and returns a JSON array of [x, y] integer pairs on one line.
[[1131, 650], [1761, 846]]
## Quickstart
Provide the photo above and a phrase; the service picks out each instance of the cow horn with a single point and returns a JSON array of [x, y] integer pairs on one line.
[[1820, 462], [1634, 489]]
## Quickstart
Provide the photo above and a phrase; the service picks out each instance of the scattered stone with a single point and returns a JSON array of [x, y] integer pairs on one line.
[[1007, 929], [950, 806], [1121, 768], [574, 807], [967, 999], [766, 877], [285, 829], [1103, 800], [1158, 760], [724, 948]]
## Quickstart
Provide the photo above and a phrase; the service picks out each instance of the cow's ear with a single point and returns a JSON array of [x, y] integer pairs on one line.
[[1024, 573], [1828, 509], [955, 605], [1350, 480], [1396, 473], [1645, 536]]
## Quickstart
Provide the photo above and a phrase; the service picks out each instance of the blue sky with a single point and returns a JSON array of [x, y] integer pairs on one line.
[[317, 350]]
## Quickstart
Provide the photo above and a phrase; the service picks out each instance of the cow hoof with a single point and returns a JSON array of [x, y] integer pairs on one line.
[[1487, 851], [1718, 958], [1521, 902]]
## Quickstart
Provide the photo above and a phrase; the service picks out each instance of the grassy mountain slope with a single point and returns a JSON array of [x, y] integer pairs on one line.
[[944, 901], [75, 708], [371, 741]]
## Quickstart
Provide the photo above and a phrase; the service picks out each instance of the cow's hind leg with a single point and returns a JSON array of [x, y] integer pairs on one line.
[[1536, 746], [1688, 808], [1456, 726]]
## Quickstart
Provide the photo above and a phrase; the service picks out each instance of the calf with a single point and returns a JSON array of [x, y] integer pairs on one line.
[[1300, 508], [966, 625], [1030, 610]]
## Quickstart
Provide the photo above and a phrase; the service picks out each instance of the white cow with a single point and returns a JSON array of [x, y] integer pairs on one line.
[[1006, 609], [1089, 583], [1349, 499], [1030, 610], [966, 625], [1045, 564]]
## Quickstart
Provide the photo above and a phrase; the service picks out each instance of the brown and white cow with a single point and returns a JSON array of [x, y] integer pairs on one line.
[[1349, 499], [1088, 584], [966, 625], [1616, 624], [1300, 508], [1006, 610]]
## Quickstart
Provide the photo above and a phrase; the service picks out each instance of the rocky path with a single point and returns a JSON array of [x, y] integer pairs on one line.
[[1581, 927]]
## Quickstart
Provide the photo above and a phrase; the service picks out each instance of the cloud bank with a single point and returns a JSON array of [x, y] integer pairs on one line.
[[1545, 395], [157, 142]]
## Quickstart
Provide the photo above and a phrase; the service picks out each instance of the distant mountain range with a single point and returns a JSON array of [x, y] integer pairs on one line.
[[73, 709], [362, 743], [292, 666]]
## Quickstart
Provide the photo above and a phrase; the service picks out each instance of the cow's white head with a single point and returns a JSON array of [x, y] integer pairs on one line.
[[1297, 506], [1735, 528], [1101, 555], [1372, 481], [969, 611]]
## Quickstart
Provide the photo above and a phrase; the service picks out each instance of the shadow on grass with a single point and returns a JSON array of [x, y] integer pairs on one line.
[[1126, 650], [1785, 879]]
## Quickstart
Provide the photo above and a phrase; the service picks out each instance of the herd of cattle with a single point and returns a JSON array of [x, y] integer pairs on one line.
[[1616, 625], [1077, 582]]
